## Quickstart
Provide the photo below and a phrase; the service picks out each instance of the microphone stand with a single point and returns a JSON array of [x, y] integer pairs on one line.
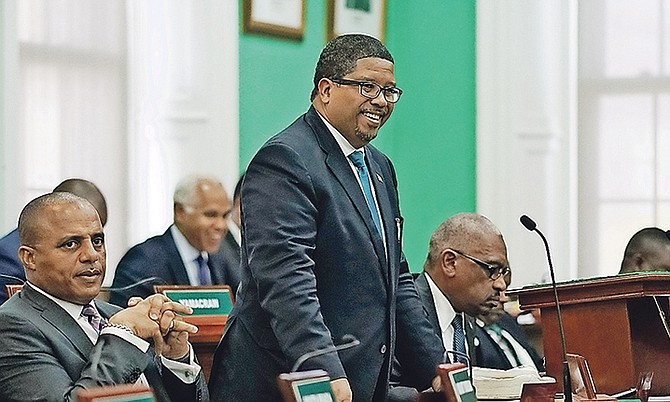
[[529, 224]]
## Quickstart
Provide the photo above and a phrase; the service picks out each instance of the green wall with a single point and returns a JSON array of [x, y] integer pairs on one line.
[[431, 135]]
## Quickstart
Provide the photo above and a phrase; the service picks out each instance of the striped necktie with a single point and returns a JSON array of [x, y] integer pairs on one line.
[[94, 318], [459, 337]]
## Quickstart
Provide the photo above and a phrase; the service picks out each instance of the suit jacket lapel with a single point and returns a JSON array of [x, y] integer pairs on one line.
[[176, 264], [423, 289], [340, 168], [59, 319]]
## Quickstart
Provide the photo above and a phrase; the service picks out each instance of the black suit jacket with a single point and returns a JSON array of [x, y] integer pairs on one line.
[[314, 269], [9, 262], [158, 257], [46, 356], [229, 254], [488, 352]]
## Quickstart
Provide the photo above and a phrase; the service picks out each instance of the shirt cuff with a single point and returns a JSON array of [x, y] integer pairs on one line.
[[140, 343], [186, 372]]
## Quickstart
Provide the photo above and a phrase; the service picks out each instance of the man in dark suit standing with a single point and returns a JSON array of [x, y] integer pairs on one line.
[[321, 245], [9, 244], [186, 253], [55, 340], [463, 277]]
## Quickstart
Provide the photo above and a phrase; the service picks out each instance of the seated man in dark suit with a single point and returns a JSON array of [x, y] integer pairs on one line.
[[9, 244], [463, 277], [501, 343], [56, 340], [647, 250], [186, 253]]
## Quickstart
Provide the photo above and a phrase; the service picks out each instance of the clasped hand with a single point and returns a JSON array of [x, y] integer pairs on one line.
[[156, 320]]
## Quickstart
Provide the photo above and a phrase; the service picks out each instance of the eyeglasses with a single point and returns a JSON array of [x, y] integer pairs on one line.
[[371, 90], [495, 271]]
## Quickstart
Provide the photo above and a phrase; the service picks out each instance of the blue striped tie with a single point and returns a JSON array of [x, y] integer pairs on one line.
[[359, 161], [459, 336]]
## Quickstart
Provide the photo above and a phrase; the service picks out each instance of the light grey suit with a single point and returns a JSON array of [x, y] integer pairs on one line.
[[46, 356]]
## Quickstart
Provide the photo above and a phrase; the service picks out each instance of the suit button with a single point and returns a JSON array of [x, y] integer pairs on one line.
[[382, 350]]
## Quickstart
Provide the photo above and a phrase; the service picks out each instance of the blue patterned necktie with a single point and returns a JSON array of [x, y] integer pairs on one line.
[[203, 271], [459, 336], [93, 317], [359, 161]]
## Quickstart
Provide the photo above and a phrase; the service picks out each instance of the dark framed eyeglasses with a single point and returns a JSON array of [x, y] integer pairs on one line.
[[371, 90], [494, 271]]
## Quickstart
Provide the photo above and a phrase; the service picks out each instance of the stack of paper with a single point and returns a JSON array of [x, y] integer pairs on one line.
[[504, 384]]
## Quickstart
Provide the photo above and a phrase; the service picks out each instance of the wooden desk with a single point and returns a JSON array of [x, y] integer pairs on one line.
[[210, 324], [613, 322]]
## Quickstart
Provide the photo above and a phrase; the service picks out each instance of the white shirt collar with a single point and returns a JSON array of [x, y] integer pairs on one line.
[[445, 311], [72, 309], [347, 148], [187, 252]]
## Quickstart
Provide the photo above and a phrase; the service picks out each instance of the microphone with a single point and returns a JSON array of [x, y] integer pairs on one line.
[[13, 278], [530, 224], [667, 234], [350, 341]]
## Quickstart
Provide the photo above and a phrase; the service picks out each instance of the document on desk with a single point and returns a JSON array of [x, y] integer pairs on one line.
[[493, 384]]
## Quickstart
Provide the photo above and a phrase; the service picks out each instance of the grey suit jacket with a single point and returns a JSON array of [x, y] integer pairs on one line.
[[314, 268], [46, 356], [158, 257]]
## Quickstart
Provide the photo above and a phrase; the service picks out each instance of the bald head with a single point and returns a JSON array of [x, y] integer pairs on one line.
[[87, 190], [458, 232], [647, 250], [464, 252]]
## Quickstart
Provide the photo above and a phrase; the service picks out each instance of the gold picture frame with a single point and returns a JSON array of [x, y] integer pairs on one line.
[[356, 16], [282, 18]]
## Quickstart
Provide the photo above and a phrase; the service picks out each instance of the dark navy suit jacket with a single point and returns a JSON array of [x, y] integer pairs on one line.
[[9, 262], [45, 355], [314, 268], [488, 352], [158, 257]]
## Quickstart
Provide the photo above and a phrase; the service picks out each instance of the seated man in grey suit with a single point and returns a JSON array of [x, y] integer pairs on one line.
[[463, 277], [56, 340], [9, 244], [647, 250], [186, 253]]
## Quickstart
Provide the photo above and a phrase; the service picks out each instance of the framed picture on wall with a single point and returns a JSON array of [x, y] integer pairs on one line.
[[282, 18], [356, 16]]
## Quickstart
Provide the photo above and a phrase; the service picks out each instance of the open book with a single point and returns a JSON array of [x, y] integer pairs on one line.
[[505, 384]]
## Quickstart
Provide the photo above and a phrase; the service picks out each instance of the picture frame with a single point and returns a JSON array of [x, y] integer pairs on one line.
[[356, 16], [281, 18]]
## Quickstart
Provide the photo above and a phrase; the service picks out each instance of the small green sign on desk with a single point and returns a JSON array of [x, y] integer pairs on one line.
[[313, 390], [203, 301]]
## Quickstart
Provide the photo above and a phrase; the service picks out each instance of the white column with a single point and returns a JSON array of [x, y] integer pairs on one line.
[[526, 134]]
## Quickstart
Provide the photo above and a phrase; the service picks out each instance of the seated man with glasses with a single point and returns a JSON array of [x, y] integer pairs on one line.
[[463, 277]]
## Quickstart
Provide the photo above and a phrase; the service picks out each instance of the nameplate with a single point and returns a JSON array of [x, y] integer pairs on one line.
[[313, 390], [145, 397], [460, 381], [203, 301]]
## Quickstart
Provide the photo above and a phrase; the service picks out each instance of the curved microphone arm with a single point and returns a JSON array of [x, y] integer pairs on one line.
[[529, 224], [350, 340]]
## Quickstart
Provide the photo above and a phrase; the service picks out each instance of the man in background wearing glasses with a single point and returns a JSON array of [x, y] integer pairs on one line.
[[464, 276], [321, 246]]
